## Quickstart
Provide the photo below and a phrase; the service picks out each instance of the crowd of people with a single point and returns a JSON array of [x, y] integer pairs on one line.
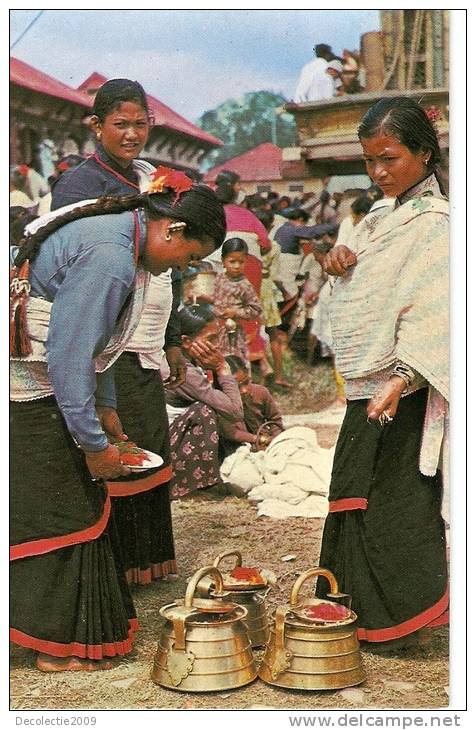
[[329, 75], [107, 344]]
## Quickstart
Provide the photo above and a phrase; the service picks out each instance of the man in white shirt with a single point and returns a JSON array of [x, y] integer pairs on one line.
[[314, 83]]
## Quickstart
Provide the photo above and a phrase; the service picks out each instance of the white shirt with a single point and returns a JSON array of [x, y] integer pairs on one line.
[[314, 83]]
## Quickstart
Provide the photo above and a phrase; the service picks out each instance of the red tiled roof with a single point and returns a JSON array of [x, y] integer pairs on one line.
[[28, 77], [164, 115], [261, 163]]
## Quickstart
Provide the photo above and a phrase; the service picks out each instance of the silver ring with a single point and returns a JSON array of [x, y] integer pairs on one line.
[[384, 418]]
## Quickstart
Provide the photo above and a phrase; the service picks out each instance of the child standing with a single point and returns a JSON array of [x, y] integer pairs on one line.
[[235, 299], [272, 291]]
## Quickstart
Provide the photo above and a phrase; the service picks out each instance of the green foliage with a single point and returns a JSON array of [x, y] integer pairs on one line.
[[246, 122]]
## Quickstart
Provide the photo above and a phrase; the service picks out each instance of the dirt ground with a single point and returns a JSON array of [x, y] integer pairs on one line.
[[205, 525]]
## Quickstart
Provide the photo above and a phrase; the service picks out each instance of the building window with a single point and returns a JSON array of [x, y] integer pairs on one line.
[[263, 188], [296, 188]]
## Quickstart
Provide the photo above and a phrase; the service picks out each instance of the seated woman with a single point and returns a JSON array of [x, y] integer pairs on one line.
[[262, 417], [194, 406]]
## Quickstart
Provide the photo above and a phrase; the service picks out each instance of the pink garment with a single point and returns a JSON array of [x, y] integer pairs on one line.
[[242, 219]]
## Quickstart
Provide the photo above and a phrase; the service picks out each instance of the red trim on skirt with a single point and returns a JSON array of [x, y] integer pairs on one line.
[[48, 544], [430, 617], [342, 505], [156, 571], [83, 651], [442, 620], [126, 489]]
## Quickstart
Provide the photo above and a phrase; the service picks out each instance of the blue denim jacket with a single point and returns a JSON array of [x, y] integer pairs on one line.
[[86, 269]]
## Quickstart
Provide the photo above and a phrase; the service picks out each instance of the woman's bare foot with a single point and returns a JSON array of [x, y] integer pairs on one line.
[[283, 383], [48, 663]]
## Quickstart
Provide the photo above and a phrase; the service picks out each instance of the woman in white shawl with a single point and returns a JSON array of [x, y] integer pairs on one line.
[[384, 537]]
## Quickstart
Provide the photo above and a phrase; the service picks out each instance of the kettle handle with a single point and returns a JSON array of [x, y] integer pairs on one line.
[[228, 554], [311, 573], [194, 580]]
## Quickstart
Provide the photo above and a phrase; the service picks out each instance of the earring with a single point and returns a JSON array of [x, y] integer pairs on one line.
[[426, 161], [180, 225]]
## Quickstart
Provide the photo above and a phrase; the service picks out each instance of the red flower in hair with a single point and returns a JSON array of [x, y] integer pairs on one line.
[[433, 114], [62, 166], [165, 177], [23, 170]]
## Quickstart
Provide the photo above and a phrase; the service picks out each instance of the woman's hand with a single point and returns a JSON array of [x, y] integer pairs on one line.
[[338, 260], [177, 365], [111, 423], [106, 464], [208, 356], [263, 441], [386, 399], [311, 298]]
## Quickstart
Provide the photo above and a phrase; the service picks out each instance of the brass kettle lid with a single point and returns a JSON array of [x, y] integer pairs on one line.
[[231, 583], [312, 611], [188, 607]]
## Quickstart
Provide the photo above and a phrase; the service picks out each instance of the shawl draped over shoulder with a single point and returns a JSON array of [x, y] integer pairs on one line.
[[393, 306]]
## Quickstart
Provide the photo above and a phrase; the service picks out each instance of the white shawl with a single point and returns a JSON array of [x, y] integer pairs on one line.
[[393, 306]]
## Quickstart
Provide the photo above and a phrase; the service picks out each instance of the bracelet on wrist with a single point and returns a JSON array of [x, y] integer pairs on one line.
[[405, 373]]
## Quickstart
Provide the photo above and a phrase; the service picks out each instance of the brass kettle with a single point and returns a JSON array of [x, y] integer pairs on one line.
[[250, 596], [204, 645], [312, 654]]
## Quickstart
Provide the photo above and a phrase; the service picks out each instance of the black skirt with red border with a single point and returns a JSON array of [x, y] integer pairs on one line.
[[141, 502], [384, 538], [68, 595]]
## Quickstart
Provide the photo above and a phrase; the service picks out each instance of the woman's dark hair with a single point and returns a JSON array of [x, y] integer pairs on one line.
[[266, 217], [236, 363], [325, 196], [224, 182], [193, 318], [362, 205], [406, 120], [232, 245], [296, 214], [198, 207], [19, 218], [115, 92]]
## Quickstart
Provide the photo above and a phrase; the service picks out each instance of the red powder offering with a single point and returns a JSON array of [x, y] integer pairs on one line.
[[247, 575], [326, 612], [134, 459]]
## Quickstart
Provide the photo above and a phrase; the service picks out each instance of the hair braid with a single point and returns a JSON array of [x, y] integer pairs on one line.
[[30, 245]]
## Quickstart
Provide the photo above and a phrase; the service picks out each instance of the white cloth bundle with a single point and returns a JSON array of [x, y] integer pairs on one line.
[[290, 478]]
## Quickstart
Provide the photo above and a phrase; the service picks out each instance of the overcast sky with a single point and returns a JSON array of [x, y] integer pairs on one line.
[[190, 59]]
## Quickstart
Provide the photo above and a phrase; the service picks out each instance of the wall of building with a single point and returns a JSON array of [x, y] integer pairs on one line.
[[34, 116]]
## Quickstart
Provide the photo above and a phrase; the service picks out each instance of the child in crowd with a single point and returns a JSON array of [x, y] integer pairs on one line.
[[235, 300], [262, 417], [272, 291]]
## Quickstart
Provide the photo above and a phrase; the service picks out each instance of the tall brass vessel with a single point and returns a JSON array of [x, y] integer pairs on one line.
[[204, 645], [250, 596], [312, 654]]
